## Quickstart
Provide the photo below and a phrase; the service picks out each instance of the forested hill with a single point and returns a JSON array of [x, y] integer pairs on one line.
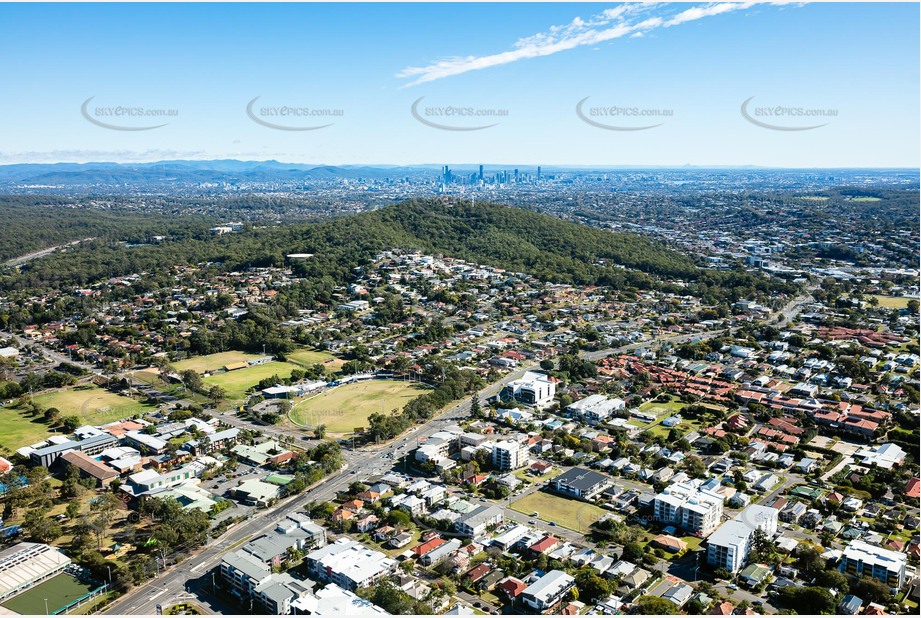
[[527, 241], [511, 238]]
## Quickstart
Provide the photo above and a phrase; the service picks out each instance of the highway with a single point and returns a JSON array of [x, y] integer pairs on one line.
[[41, 253]]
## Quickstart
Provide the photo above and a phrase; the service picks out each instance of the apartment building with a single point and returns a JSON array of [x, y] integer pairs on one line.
[[695, 508], [860, 559]]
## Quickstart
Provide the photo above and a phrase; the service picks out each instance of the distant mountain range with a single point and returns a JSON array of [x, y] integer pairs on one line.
[[223, 170], [234, 172]]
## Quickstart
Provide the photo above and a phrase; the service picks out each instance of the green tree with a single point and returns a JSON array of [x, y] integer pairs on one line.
[[475, 405], [646, 606], [191, 380], [591, 585], [72, 509], [41, 527], [70, 423], [872, 590], [807, 600]]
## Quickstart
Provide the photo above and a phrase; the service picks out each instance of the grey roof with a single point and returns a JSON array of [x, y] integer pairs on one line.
[[247, 564], [581, 479], [479, 515], [267, 546]]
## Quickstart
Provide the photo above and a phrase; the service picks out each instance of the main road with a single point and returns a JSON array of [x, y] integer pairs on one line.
[[170, 586]]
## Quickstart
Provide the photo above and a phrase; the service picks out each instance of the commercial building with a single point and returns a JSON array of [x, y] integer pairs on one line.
[[214, 441], [533, 389], [581, 483], [595, 409], [145, 443], [256, 493], [860, 559]]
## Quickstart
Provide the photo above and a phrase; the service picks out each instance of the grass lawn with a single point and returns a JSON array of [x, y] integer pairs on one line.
[[92, 404], [571, 514], [865, 199], [59, 590], [201, 364], [660, 409], [346, 407], [237, 382], [306, 357], [893, 302], [530, 478], [17, 429], [684, 427]]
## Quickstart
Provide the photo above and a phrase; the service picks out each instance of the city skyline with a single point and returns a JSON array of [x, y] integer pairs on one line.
[[581, 85]]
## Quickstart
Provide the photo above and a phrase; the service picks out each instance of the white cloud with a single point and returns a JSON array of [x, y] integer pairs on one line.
[[629, 19]]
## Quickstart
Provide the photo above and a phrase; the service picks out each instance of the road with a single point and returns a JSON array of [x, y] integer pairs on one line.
[[42, 253], [191, 576], [170, 586], [52, 355]]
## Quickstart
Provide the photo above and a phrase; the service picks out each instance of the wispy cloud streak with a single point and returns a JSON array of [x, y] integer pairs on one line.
[[625, 20]]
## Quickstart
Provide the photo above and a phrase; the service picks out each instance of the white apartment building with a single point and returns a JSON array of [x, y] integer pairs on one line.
[[860, 559], [694, 508], [509, 455], [729, 545], [534, 389], [349, 564]]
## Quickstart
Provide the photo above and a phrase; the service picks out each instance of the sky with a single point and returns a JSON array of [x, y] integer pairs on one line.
[[601, 84]]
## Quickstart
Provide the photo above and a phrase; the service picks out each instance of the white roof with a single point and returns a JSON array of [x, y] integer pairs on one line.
[[352, 559], [871, 554], [332, 600], [731, 534], [549, 585], [23, 563]]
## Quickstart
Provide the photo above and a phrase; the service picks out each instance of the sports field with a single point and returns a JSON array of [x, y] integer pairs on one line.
[[346, 407], [893, 302], [59, 590], [572, 514], [306, 357], [236, 383], [92, 404], [18, 429], [201, 364]]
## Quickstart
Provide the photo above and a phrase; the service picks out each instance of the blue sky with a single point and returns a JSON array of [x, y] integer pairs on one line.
[[692, 64]]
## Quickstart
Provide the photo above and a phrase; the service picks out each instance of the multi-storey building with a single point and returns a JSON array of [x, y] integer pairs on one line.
[[696, 509], [860, 559]]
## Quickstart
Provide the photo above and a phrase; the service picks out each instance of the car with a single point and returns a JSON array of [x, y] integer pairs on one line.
[[532, 521], [758, 603], [551, 523], [732, 587]]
